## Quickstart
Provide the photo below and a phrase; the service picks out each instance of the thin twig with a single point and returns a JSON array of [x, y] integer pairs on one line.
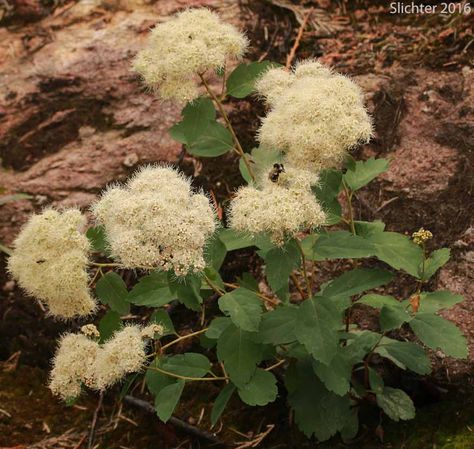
[[239, 148], [178, 376], [90, 442], [291, 56], [275, 302], [181, 425], [298, 286], [183, 337], [309, 284]]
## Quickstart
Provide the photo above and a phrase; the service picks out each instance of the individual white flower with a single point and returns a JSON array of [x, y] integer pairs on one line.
[[73, 365], [190, 43], [281, 208], [124, 353], [50, 260], [156, 221], [315, 117]]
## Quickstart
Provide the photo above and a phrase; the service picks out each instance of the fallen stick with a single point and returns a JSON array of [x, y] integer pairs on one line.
[[178, 423]]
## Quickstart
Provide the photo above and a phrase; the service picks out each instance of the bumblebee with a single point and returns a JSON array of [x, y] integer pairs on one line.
[[275, 172]]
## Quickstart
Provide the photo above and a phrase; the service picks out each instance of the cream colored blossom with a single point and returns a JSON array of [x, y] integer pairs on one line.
[[50, 259], [281, 208], [151, 330], [73, 365], [156, 221], [190, 43], [315, 118], [90, 330], [124, 353]]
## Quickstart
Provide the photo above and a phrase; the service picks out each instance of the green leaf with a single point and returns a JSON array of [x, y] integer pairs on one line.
[[196, 115], [367, 228], [241, 81], [213, 275], [356, 281], [152, 290], [378, 301], [188, 292], [361, 345], [167, 399], [351, 427], [327, 191], [97, 239], [244, 308], [260, 159], [213, 140], [337, 375], [109, 323], [375, 381], [436, 260], [317, 318], [317, 411], [156, 381], [162, 317], [217, 327], [438, 333], [362, 172], [393, 317], [279, 263], [278, 326], [111, 290], [249, 282], [405, 355], [398, 251], [261, 389], [216, 252], [396, 404], [340, 245], [189, 364], [235, 240], [240, 354], [221, 402], [435, 301]]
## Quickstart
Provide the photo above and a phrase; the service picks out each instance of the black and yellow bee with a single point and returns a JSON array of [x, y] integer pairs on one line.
[[275, 172]]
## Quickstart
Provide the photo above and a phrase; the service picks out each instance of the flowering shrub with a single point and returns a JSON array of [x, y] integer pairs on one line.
[[289, 212]]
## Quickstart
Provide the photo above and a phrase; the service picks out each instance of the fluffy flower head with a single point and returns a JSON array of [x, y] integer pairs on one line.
[[280, 208], [191, 42], [49, 261], [73, 365], [315, 117], [156, 221], [124, 353]]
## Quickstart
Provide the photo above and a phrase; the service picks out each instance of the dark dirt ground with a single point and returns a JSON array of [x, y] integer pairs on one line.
[[73, 118]]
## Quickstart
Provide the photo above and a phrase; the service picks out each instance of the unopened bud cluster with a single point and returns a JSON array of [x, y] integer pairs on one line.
[[421, 236]]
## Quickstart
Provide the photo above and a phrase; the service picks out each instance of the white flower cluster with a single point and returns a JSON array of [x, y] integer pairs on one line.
[[190, 43], [281, 208], [156, 221], [50, 260], [82, 360], [316, 115]]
